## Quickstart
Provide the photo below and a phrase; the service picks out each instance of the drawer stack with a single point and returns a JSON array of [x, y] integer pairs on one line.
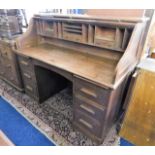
[[90, 102], [28, 76]]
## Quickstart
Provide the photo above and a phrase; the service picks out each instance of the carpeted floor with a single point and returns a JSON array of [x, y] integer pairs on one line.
[[18, 129], [54, 116]]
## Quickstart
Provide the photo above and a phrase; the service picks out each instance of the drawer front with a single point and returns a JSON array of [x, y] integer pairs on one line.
[[46, 28], [91, 91], [75, 32], [25, 63], [87, 123], [29, 83], [94, 110], [28, 76], [30, 90], [104, 43], [30, 87]]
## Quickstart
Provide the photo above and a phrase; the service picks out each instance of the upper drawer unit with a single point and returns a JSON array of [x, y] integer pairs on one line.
[[113, 37], [74, 32], [46, 28]]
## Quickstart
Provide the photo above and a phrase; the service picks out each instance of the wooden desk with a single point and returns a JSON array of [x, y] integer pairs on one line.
[[96, 55]]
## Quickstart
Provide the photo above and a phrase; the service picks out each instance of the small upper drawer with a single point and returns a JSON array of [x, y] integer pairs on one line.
[[74, 32], [108, 37], [91, 91], [25, 63], [46, 28]]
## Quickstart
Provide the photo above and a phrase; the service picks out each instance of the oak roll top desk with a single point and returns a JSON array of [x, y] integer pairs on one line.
[[95, 54]]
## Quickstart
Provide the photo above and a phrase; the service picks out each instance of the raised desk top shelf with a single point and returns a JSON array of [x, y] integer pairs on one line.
[[103, 51]]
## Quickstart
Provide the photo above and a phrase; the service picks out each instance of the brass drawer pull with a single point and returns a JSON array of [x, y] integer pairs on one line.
[[29, 88], [24, 63], [27, 75], [85, 123], [87, 109], [86, 91]]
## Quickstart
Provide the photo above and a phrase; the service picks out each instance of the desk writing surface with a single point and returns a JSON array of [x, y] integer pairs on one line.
[[98, 70]]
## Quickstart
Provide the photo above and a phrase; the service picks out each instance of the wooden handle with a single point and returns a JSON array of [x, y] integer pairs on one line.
[[27, 75], [87, 109], [89, 92], [29, 88], [85, 123], [24, 63]]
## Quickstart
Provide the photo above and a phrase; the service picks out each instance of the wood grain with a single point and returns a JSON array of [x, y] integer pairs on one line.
[[139, 124], [98, 70]]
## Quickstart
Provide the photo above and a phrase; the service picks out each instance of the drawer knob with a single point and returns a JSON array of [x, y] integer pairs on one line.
[[29, 88], [88, 92], [87, 109], [85, 123]]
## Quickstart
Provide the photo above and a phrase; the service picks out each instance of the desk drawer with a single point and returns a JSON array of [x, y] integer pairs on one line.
[[74, 32], [25, 63], [91, 91], [94, 110], [29, 84], [87, 124], [31, 90]]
